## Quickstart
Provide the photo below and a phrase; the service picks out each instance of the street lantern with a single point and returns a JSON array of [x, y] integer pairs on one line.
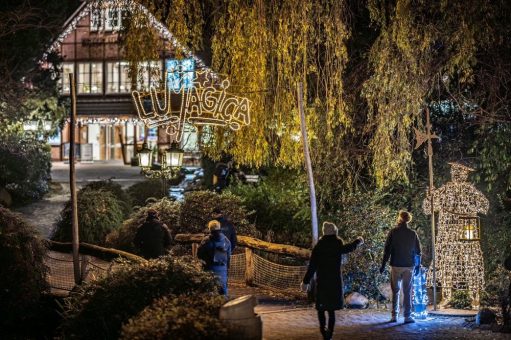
[[145, 157], [174, 156]]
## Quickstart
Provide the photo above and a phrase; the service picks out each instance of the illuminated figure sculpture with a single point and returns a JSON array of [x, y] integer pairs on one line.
[[458, 251]]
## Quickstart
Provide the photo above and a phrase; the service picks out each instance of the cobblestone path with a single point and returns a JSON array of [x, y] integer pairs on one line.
[[367, 324]]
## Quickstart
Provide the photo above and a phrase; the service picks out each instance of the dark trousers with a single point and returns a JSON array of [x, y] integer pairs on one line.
[[322, 319]]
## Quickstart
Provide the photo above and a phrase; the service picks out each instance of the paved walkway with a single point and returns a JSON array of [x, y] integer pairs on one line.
[[286, 317], [368, 324], [88, 172], [44, 213]]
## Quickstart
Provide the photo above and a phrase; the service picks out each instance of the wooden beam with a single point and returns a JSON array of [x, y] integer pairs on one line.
[[253, 243], [107, 254]]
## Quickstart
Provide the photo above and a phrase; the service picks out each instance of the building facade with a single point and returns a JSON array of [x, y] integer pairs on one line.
[[108, 126]]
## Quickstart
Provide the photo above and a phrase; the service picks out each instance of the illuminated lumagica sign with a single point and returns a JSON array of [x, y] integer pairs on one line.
[[201, 101]]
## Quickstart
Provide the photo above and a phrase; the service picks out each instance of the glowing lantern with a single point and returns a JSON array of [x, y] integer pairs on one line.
[[469, 228], [145, 157], [173, 156]]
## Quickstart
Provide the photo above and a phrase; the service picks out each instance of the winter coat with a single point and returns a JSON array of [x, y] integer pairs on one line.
[[325, 261], [402, 246], [152, 238], [229, 231], [215, 251]]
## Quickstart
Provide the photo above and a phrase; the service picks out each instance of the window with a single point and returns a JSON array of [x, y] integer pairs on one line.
[[90, 78], [149, 75], [113, 19], [108, 19], [180, 73], [96, 19], [152, 134], [67, 68], [117, 77]]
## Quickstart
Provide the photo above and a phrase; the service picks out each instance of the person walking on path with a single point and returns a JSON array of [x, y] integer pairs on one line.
[[227, 227], [215, 251], [325, 261], [153, 236], [404, 250]]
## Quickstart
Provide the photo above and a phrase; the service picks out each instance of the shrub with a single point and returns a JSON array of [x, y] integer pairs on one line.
[[24, 168], [99, 213], [281, 207], [122, 238], [122, 196], [362, 215], [461, 299], [141, 191], [98, 309], [22, 273], [197, 208], [183, 317]]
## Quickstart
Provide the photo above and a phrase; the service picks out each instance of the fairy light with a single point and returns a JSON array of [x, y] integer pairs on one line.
[[420, 295], [459, 258], [131, 6], [103, 120], [205, 102]]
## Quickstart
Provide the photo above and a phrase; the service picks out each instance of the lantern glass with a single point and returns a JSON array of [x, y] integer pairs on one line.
[[174, 156], [470, 229], [145, 157]]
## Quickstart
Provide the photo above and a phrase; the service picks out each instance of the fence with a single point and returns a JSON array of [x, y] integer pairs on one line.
[[95, 262], [255, 270], [247, 267]]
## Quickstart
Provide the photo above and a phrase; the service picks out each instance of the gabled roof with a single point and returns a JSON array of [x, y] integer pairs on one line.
[[85, 8]]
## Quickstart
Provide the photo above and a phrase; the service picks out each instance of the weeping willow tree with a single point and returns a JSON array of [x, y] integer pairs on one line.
[[368, 69]]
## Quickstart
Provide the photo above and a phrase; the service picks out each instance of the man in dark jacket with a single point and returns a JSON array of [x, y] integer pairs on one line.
[[227, 227], [215, 251], [153, 236], [325, 261], [404, 250]]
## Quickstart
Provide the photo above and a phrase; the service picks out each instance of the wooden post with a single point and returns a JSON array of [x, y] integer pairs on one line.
[[72, 184], [431, 188], [135, 139], [84, 266], [249, 267], [195, 248], [312, 190]]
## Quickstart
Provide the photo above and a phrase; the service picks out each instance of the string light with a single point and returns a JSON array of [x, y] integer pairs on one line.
[[459, 258], [203, 102], [420, 295], [131, 6], [103, 120]]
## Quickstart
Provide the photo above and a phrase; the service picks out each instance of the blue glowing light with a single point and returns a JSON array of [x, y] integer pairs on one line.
[[420, 295]]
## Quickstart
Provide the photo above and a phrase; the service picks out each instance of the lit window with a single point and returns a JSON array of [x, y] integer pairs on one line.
[[90, 78], [125, 81], [180, 73], [113, 19], [108, 19], [117, 77], [152, 134], [112, 77], [149, 75], [96, 19], [67, 68]]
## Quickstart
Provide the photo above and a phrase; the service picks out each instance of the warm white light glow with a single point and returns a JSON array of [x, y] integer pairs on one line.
[[203, 103], [144, 158], [458, 252]]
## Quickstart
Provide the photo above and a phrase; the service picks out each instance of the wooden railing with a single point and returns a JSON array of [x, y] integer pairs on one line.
[[250, 244], [107, 254]]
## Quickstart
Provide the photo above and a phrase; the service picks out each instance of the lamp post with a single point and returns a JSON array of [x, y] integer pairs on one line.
[[171, 161]]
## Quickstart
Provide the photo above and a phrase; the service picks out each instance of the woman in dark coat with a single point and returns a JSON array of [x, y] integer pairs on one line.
[[325, 261]]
